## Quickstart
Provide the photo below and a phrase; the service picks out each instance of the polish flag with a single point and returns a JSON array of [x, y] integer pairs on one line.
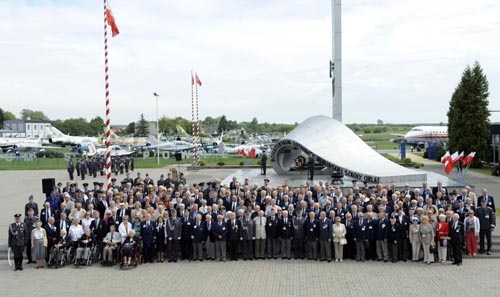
[[468, 159], [459, 158], [454, 157], [446, 157], [198, 81], [448, 167], [111, 22]]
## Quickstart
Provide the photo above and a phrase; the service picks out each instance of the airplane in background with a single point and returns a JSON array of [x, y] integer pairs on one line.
[[171, 146], [134, 141], [420, 135], [20, 144], [116, 151], [62, 139]]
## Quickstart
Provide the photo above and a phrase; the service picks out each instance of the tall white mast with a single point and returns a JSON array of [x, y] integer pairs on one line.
[[336, 66]]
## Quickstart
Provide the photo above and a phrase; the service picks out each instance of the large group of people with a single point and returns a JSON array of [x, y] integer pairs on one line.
[[140, 221]]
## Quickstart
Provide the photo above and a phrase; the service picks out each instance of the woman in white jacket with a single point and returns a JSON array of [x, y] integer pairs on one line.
[[339, 232]]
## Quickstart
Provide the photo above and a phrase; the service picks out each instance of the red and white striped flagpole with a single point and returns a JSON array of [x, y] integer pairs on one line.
[[198, 142], [106, 80], [193, 125]]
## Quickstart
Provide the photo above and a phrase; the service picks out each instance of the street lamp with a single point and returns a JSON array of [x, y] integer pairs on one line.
[[157, 131]]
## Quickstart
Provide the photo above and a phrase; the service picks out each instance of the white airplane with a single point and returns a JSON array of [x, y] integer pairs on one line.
[[171, 146], [62, 139], [116, 150], [20, 144], [422, 134]]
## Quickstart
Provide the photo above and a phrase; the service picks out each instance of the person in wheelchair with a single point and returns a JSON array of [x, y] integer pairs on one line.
[[128, 248], [58, 252], [85, 244], [111, 242]]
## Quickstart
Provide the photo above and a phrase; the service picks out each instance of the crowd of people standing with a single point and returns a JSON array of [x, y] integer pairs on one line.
[[138, 220]]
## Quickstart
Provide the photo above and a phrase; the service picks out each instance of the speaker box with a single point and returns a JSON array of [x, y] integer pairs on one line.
[[178, 156], [48, 185]]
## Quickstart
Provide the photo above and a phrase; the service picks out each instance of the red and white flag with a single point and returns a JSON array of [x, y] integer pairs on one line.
[[446, 157], [468, 159], [448, 167], [459, 158], [454, 157], [198, 81], [111, 22], [192, 79]]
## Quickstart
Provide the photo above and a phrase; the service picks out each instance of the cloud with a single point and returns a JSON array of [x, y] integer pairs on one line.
[[264, 59]]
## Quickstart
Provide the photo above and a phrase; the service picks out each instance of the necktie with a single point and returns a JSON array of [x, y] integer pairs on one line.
[[47, 215], [285, 221], [111, 236], [261, 221]]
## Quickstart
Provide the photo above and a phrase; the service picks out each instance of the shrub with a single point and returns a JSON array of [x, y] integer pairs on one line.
[[203, 163], [418, 165], [258, 162], [242, 163], [426, 155], [407, 160], [440, 153], [220, 163]]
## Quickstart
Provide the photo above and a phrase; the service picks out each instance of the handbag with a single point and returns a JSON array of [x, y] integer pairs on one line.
[[343, 241], [432, 247]]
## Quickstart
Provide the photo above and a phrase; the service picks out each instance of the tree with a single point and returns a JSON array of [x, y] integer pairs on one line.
[[33, 115], [254, 125], [142, 127], [222, 124], [380, 122], [5, 116], [130, 130], [468, 123], [97, 125]]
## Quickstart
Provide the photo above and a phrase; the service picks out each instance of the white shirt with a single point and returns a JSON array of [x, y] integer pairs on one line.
[[75, 232]]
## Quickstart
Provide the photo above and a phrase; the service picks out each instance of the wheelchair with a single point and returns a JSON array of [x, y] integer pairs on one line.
[[136, 257], [58, 257], [85, 255]]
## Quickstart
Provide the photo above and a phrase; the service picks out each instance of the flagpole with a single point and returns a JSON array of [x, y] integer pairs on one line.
[[106, 80], [193, 125], [198, 142]]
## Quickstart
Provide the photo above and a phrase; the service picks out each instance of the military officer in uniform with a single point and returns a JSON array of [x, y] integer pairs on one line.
[[18, 235], [298, 235]]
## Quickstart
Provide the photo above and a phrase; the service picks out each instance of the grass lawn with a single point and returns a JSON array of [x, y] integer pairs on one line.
[[486, 171], [60, 163]]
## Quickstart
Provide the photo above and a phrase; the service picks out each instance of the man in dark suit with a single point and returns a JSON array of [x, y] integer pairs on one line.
[[263, 163], [298, 235], [220, 231], [393, 237], [325, 237], [198, 235], [186, 244], [456, 239], [438, 188], [272, 235], [18, 236], [486, 225], [360, 237], [285, 228], [46, 213], [102, 203], [311, 231], [147, 235], [234, 235], [64, 223], [99, 230], [404, 223], [52, 236], [490, 201]]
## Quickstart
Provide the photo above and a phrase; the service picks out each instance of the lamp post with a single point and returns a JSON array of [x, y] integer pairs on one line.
[[157, 131]]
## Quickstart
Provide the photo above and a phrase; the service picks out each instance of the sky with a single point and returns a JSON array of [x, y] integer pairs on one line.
[[256, 58]]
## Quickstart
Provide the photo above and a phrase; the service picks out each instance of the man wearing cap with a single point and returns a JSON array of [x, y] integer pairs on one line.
[[18, 236], [30, 205], [486, 218], [29, 223], [263, 163]]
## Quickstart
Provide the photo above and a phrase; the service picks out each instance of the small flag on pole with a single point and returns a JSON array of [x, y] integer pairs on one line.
[[468, 159], [192, 79], [198, 81], [111, 22], [446, 157]]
